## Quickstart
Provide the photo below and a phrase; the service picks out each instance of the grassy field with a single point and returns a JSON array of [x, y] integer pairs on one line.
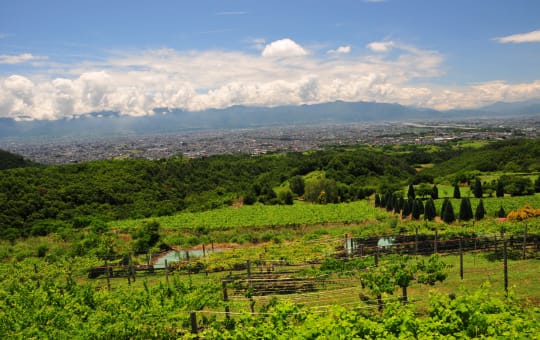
[[266, 215], [307, 214], [493, 204]]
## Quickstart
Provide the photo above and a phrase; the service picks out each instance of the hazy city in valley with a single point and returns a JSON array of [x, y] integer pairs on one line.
[[354, 169], [263, 140]]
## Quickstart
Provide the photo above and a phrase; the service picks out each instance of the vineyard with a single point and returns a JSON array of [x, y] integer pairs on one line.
[[312, 288], [266, 216]]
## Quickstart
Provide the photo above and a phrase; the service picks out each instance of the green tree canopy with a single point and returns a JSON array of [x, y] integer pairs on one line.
[[297, 185], [321, 189]]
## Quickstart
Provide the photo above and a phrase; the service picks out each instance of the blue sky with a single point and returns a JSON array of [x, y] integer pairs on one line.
[[68, 58]]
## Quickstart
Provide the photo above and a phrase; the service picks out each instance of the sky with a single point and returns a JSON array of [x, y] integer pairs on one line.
[[64, 58]]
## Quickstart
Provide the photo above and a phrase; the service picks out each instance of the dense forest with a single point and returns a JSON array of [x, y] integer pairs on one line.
[[37, 200], [9, 160]]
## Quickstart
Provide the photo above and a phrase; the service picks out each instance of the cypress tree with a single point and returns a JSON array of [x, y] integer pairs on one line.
[[465, 210], [443, 207], [416, 209], [406, 210], [420, 205], [429, 210], [411, 193], [477, 189], [398, 204], [377, 200], [457, 193], [500, 189], [501, 212], [383, 200], [394, 202], [537, 184], [480, 211], [435, 192], [448, 214], [390, 202]]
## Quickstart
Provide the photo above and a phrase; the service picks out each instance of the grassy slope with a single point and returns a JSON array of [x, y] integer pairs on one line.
[[266, 215]]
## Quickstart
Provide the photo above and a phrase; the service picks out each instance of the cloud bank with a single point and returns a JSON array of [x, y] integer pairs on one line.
[[284, 73]]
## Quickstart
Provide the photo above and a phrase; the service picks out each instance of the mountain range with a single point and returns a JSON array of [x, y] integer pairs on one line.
[[110, 124]]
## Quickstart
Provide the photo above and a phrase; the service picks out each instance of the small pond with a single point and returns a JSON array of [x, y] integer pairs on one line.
[[180, 255]]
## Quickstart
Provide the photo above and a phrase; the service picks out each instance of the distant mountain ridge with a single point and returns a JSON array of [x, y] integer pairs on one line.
[[176, 120]]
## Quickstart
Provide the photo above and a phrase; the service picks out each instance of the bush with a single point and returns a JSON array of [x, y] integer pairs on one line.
[[42, 250], [321, 190]]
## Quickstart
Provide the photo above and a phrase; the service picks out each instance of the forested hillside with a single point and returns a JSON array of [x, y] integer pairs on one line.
[[36, 200], [9, 161], [519, 155]]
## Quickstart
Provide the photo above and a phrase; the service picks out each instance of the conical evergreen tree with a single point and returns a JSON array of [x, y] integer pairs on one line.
[[406, 208], [448, 214], [443, 207], [480, 211], [501, 212], [477, 189], [390, 202], [435, 192], [465, 210], [410, 192], [377, 200], [398, 204], [420, 206], [457, 193], [429, 210], [500, 189], [417, 209]]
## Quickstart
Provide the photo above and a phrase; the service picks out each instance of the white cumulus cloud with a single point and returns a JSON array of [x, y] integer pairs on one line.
[[533, 36], [340, 50], [283, 48], [381, 46]]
